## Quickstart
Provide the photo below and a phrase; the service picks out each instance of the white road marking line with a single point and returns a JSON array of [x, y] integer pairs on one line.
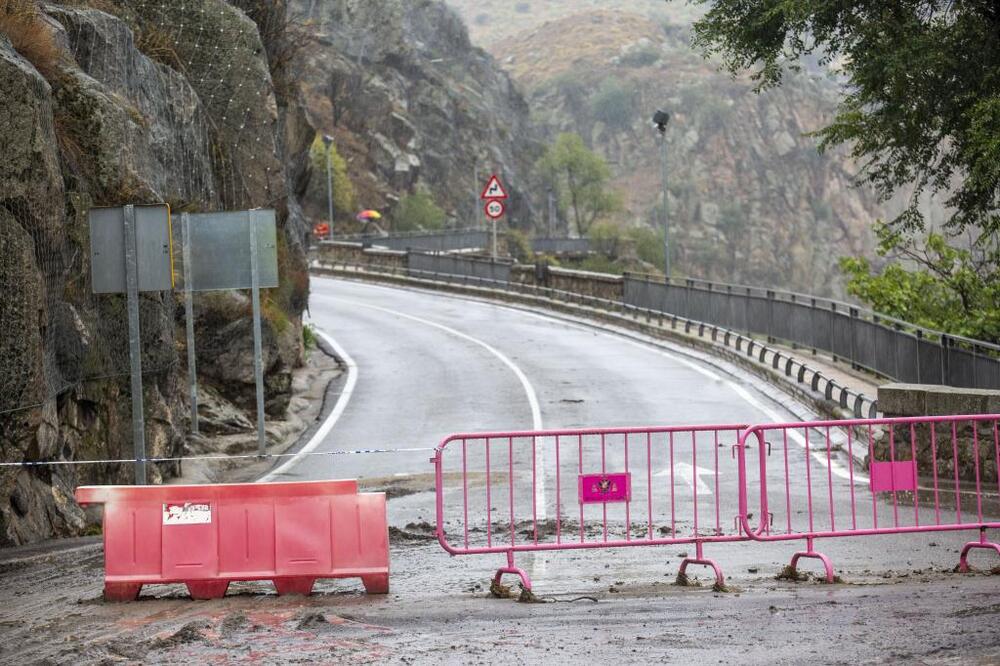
[[529, 390], [331, 420], [690, 475]]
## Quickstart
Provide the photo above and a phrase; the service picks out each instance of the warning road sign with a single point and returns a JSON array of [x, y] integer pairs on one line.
[[495, 209], [494, 190]]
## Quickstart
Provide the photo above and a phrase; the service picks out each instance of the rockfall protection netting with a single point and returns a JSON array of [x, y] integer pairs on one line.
[[153, 101]]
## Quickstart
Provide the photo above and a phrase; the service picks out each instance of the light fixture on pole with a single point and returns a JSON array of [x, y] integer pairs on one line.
[[660, 120], [327, 142]]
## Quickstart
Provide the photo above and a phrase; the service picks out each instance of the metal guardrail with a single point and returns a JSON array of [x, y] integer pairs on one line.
[[457, 267], [439, 241], [561, 245], [741, 344], [868, 340]]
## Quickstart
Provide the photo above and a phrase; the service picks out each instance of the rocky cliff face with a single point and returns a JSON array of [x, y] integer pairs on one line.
[[750, 198], [139, 106], [414, 105]]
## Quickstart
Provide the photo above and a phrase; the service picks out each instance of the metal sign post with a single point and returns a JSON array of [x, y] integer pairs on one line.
[[189, 320], [327, 143], [134, 345], [258, 362], [130, 254]]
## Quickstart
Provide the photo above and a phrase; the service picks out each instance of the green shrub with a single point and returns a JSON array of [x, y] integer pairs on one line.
[[612, 105], [416, 212], [519, 246], [308, 337]]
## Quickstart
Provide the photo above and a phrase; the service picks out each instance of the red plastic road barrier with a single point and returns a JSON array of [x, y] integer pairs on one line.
[[207, 536]]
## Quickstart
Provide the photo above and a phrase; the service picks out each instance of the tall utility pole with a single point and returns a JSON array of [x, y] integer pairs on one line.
[[552, 212], [660, 120], [327, 142], [475, 190]]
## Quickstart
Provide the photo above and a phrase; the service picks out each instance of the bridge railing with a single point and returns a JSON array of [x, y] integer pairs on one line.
[[439, 241], [561, 245], [868, 340], [458, 267]]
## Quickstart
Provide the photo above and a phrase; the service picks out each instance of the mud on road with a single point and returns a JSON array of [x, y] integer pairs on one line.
[[440, 611]]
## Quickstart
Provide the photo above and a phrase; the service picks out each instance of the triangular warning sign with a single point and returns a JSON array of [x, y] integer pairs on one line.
[[494, 190]]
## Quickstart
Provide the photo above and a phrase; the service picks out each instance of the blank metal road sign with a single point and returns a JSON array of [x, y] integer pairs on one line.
[[220, 250], [154, 255]]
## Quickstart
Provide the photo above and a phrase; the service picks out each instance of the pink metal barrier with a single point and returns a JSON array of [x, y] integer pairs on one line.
[[810, 489], [510, 492]]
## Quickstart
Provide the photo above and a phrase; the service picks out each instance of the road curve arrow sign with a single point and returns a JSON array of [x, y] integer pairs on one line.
[[494, 190]]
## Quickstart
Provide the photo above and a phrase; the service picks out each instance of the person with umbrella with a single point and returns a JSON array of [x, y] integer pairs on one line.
[[367, 217]]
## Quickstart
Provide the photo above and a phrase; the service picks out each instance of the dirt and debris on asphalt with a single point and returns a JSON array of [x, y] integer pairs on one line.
[[440, 611]]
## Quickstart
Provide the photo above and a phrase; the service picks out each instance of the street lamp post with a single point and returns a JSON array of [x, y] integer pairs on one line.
[[660, 120], [327, 142], [552, 212]]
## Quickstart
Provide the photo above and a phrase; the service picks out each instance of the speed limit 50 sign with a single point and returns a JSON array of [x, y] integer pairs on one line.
[[495, 209]]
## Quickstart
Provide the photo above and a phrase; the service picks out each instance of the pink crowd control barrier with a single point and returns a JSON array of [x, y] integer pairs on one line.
[[913, 482], [207, 536], [510, 492]]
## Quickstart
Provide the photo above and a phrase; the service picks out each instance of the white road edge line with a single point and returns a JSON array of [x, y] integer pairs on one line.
[[529, 390], [331, 420]]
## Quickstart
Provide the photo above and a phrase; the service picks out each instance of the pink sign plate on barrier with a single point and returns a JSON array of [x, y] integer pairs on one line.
[[603, 488], [889, 476]]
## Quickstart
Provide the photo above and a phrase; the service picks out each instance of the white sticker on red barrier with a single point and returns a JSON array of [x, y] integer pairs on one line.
[[187, 514]]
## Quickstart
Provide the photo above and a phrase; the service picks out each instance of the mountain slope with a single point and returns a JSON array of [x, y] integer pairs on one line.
[[751, 200], [414, 105]]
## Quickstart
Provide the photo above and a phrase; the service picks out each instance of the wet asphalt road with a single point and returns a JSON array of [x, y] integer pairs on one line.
[[428, 364]]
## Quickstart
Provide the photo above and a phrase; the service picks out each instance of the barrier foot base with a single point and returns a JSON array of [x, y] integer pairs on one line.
[[720, 580], [811, 554], [203, 590], [378, 584], [982, 544], [525, 581], [120, 592], [299, 585]]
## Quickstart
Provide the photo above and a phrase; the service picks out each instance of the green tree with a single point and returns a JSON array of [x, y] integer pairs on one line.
[[344, 199], [921, 113], [417, 212], [922, 102], [606, 238], [950, 292], [581, 180], [649, 245]]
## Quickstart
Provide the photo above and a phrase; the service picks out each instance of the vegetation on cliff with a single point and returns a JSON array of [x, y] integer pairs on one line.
[[921, 112], [750, 199]]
